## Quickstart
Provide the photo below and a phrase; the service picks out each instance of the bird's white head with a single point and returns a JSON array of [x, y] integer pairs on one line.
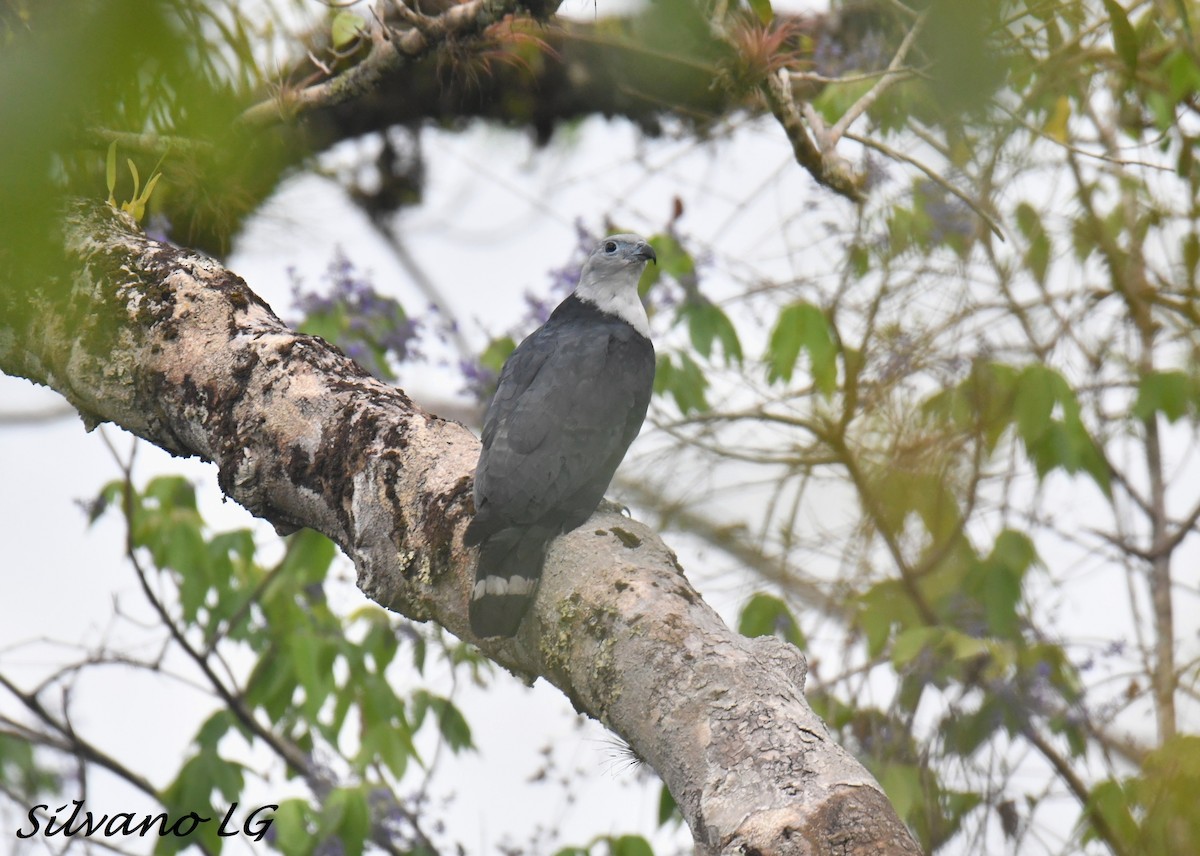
[[610, 277]]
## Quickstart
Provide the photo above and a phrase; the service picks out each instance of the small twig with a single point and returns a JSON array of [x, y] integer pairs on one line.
[[74, 743], [34, 417], [1185, 528], [827, 168], [289, 752], [1101, 156], [935, 177], [901, 7], [892, 75], [149, 143], [826, 80], [820, 130], [1077, 787]]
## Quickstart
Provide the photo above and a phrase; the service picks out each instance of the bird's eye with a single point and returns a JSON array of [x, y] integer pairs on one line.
[[610, 247]]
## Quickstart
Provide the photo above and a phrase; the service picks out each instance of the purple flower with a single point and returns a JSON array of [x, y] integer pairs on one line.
[[948, 215], [370, 327], [480, 380]]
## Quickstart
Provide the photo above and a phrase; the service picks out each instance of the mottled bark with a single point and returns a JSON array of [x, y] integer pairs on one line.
[[178, 350]]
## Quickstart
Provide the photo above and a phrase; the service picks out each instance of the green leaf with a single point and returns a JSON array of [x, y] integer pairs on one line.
[[909, 644], [272, 684], [385, 744], [1110, 801], [859, 259], [685, 382], [380, 641], [673, 261], [964, 733], [1037, 257], [902, 784], [312, 659], [1165, 792], [964, 646], [884, 604], [706, 323], [1028, 220], [1124, 38], [214, 729], [1083, 238], [171, 492], [137, 181], [308, 557], [1036, 394], [497, 351], [630, 845], [1040, 249], [346, 813], [346, 27], [20, 769], [387, 734], [1191, 252], [137, 207], [803, 327], [836, 98], [1015, 550], [762, 9], [668, 811], [450, 720], [1182, 74], [1172, 393], [767, 615], [292, 834], [111, 494], [192, 791], [1059, 121], [1000, 593]]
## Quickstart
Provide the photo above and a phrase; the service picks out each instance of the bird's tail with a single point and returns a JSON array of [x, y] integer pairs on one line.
[[506, 579]]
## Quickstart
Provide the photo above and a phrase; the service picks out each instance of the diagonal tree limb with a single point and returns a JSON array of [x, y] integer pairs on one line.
[[937, 178], [893, 74], [178, 350], [826, 166]]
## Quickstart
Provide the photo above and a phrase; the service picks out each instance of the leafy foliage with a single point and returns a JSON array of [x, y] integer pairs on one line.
[[320, 678], [802, 327], [767, 615]]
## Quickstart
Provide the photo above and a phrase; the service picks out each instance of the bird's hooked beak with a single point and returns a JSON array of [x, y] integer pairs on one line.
[[645, 252]]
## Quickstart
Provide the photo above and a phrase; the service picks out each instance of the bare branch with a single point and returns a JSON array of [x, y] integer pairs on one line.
[[69, 741], [827, 167], [894, 74], [936, 177]]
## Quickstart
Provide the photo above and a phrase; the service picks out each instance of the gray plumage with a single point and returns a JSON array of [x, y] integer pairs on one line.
[[570, 400]]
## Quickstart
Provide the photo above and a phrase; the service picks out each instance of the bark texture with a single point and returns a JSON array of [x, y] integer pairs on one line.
[[178, 350]]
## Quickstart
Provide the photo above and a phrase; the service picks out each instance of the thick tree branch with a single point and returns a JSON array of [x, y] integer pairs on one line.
[[179, 351], [389, 49]]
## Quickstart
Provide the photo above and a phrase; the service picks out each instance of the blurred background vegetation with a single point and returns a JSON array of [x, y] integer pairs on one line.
[[954, 459]]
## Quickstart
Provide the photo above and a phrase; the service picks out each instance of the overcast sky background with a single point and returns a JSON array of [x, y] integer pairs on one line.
[[498, 215]]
